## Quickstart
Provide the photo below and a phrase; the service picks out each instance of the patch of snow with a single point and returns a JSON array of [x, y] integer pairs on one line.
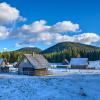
[[49, 87], [66, 71], [65, 85], [54, 65]]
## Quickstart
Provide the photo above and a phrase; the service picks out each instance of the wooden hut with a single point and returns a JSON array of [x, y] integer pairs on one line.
[[79, 63], [34, 64]]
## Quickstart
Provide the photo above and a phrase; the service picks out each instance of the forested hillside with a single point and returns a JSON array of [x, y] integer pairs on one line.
[[57, 53], [60, 51], [16, 55]]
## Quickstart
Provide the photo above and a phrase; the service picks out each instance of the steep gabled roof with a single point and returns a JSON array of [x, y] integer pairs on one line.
[[79, 61], [37, 61]]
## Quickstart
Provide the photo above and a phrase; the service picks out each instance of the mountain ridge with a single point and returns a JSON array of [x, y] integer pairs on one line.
[[66, 45], [29, 50]]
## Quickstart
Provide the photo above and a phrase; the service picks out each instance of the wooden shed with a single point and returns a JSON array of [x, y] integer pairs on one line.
[[79, 63], [33, 64]]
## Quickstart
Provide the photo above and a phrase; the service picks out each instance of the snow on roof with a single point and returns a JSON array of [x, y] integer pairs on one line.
[[79, 61], [94, 64], [38, 61]]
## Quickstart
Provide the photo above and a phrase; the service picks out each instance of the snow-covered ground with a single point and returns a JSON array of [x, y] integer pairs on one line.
[[67, 87], [64, 71]]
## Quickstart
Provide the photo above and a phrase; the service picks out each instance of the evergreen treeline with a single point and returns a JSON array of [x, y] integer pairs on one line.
[[57, 53], [71, 53], [11, 57], [15, 56]]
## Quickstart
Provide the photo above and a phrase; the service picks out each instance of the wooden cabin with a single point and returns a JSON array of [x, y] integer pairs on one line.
[[34, 64], [79, 63], [3, 67]]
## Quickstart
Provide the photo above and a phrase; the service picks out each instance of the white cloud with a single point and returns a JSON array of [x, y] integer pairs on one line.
[[87, 38], [31, 46], [65, 26], [3, 32], [62, 38], [8, 17], [49, 38], [44, 36], [35, 27], [17, 45], [4, 49], [40, 26], [9, 14], [39, 32]]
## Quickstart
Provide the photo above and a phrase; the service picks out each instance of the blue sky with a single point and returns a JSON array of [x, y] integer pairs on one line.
[[84, 13]]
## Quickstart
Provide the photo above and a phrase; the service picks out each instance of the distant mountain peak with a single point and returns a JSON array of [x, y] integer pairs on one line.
[[66, 45]]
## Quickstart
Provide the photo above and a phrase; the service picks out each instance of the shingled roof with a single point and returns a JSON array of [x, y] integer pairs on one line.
[[37, 61]]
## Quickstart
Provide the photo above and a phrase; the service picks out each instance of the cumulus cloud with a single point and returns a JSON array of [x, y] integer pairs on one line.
[[40, 32], [8, 17], [35, 27], [65, 26], [49, 38], [9, 14], [86, 38], [3, 32], [40, 26]]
